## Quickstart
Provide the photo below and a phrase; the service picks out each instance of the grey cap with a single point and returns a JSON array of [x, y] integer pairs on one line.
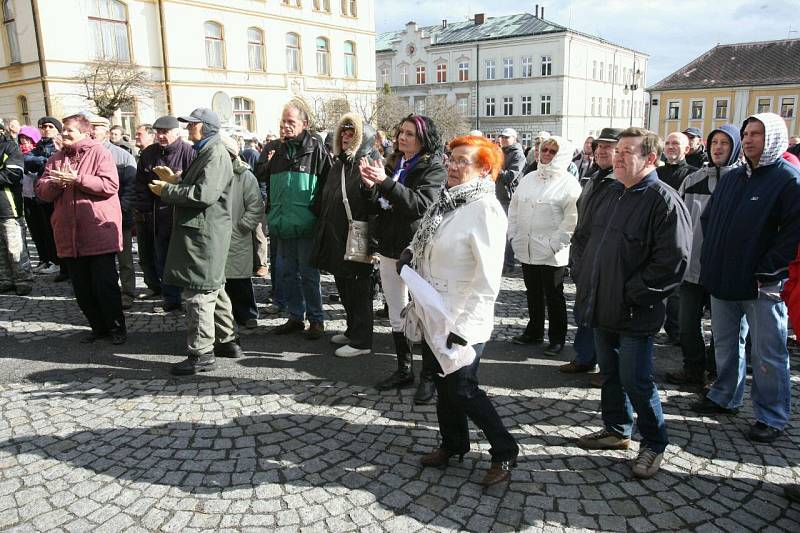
[[166, 122], [202, 114], [693, 132]]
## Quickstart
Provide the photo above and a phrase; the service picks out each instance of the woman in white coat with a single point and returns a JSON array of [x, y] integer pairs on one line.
[[458, 249], [541, 219]]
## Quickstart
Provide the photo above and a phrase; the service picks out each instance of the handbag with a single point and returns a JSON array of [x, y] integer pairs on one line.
[[356, 247]]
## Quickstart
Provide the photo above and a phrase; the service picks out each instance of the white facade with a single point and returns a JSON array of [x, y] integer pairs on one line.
[[192, 49], [550, 81]]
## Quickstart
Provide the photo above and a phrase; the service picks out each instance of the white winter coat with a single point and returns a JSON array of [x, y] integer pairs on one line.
[[543, 213], [464, 263]]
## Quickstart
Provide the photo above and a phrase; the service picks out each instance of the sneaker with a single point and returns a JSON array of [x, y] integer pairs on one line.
[[47, 269], [760, 432], [646, 463], [273, 309], [315, 331], [40, 266], [349, 351], [604, 440], [290, 326], [340, 339], [262, 272], [576, 368], [149, 295], [708, 407]]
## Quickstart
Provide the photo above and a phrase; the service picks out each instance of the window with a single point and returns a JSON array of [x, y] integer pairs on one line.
[[547, 66], [608, 107], [127, 118], [322, 5], [508, 106], [592, 105], [419, 105], [545, 105], [490, 107], [215, 53], [403, 75], [441, 73], [764, 105], [255, 49], [349, 8], [24, 114], [600, 106], [526, 139], [323, 57], [787, 108], [9, 21], [349, 59], [292, 53], [297, 3], [674, 111], [697, 110], [602, 69], [721, 110], [610, 72], [490, 69], [384, 75], [594, 70], [508, 68], [353, 8], [463, 71], [243, 115], [616, 74], [108, 27], [420, 75], [527, 67], [462, 102], [614, 107], [527, 105]]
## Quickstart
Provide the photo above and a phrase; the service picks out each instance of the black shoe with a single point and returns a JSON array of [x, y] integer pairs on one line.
[[426, 390], [554, 349], [119, 336], [400, 379], [168, 308], [290, 326], [792, 492], [526, 339], [63, 276], [230, 350], [708, 407], [682, 377], [383, 313], [194, 364], [93, 337], [760, 432]]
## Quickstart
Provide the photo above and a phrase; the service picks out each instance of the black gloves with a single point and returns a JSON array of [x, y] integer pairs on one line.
[[452, 339], [405, 259]]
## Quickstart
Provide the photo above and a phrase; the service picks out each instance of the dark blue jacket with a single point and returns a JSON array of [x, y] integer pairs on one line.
[[752, 225]]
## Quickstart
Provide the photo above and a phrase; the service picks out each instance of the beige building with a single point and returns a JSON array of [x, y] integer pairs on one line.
[[257, 53], [727, 84]]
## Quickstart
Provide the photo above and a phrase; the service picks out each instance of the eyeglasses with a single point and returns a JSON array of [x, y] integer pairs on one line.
[[460, 163], [553, 151]]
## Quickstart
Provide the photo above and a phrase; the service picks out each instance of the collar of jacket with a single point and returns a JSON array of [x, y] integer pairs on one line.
[[198, 145], [171, 146], [80, 146], [646, 182], [603, 173]]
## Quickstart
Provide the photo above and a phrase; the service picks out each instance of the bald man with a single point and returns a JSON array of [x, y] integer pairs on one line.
[[676, 147]]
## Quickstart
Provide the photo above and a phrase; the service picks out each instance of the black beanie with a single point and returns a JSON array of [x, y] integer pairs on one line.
[[54, 121]]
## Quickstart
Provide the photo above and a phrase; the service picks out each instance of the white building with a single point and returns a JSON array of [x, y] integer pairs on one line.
[[260, 53], [520, 71]]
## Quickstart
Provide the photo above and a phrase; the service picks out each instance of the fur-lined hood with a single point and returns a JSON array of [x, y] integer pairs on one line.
[[362, 131]]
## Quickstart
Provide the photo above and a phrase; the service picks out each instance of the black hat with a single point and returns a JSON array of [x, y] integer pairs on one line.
[[50, 120], [166, 123], [610, 135], [201, 114]]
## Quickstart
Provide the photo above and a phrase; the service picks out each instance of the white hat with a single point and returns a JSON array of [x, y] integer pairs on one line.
[[509, 132]]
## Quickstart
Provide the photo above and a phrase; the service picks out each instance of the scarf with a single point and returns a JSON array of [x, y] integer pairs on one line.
[[449, 200], [400, 171]]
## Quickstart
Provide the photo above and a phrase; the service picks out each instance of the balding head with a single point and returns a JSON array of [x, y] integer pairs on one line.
[[676, 147], [794, 140]]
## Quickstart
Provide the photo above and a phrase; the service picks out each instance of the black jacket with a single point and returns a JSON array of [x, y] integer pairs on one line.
[[11, 168], [508, 178], [395, 227], [633, 255], [598, 181], [36, 158], [673, 175], [698, 159]]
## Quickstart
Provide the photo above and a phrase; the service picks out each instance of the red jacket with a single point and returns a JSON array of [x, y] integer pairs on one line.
[[87, 219], [791, 293]]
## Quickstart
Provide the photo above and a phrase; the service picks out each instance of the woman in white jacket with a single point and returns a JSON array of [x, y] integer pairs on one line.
[[541, 219], [458, 249]]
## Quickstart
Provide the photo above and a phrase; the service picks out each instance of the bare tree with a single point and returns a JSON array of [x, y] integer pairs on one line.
[[327, 112], [449, 121], [110, 85]]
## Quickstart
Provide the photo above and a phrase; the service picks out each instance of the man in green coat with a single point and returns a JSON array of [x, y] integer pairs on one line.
[[198, 248]]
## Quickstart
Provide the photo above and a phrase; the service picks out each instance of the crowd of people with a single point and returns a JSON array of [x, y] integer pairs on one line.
[[654, 233]]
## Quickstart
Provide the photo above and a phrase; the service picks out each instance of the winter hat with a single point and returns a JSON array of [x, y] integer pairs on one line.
[[31, 133], [50, 120]]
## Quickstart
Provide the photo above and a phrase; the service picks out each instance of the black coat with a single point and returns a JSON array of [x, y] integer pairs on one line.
[[508, 178], [598, 181], [673, 175], [698, 159], [632, 256]]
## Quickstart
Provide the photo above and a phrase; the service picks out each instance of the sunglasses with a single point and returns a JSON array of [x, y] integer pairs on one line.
[[553, 151]]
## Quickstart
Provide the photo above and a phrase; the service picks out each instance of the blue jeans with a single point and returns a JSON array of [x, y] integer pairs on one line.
[[300, 281], [584, 342], [766, 318], [626, 363]]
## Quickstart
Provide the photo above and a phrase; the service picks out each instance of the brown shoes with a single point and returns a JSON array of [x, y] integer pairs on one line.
[[576, 368], [315, 331], [498, 473], [596, 381], [439, 458], [290, 326]]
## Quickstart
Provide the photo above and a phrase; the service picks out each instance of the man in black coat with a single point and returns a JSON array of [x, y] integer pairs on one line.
[[508, 179], [633, 257], [697, 156]]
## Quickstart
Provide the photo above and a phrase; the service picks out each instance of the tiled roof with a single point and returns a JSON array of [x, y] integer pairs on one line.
[[739, 65]]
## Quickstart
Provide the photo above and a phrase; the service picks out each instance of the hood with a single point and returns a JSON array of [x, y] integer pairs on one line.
[[362, 131], [562, 159], [80, 146], [776, 138], [736, 144], [239, 166], [31, 133]]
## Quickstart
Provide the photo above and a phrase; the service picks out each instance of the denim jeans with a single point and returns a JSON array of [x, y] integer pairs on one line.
[[300, 281], [696, 359], [767, 321], [626, 363], [584, 342]]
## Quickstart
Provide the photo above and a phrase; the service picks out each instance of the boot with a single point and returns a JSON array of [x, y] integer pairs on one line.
[[403, 376], [426, 389]]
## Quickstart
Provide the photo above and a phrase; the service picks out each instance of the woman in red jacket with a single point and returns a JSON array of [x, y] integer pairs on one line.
[[791, 295], [81, 181]]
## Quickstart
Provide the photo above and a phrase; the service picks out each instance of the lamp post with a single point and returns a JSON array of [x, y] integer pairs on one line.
[[636, 76]]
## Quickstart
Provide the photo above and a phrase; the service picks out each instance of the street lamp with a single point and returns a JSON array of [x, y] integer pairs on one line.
[[636, 76]]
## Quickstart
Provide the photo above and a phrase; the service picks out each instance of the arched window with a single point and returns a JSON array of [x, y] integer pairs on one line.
[[108, 26], [349, 59], [353, 8], [255, 49], [243, 113], [215, 45], [25, 116], [292, 53], [323, 57], [10, 23]]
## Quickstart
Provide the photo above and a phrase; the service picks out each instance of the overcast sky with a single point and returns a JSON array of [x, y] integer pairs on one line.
[[673, 32]]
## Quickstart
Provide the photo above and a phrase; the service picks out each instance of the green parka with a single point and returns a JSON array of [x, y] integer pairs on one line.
[[247, 210], [201, 224]]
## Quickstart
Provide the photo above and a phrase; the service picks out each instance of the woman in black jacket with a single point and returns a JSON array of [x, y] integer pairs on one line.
[[401, 192], [352, 141]]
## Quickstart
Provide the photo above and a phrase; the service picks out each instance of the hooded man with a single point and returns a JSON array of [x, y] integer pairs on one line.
[[696, 190], [752, 227]]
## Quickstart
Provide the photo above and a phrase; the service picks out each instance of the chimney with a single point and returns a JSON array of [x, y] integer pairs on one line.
[[542, 12], [537, 11], [479, 18], [444, 23]]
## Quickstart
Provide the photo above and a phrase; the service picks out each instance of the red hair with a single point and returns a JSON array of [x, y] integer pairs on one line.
[[487, 154]]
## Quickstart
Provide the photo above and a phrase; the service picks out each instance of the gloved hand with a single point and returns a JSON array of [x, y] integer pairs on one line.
[[452, 339], [157, 186], [405, 259], [166, 174]]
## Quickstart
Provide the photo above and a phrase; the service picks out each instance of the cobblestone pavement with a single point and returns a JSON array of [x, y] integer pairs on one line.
[[290, 438]]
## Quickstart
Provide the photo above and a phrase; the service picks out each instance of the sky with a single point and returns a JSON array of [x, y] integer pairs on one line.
[[673, 32]]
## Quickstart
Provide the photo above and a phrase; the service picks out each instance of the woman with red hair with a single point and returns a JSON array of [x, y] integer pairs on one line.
[[458, 249]]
